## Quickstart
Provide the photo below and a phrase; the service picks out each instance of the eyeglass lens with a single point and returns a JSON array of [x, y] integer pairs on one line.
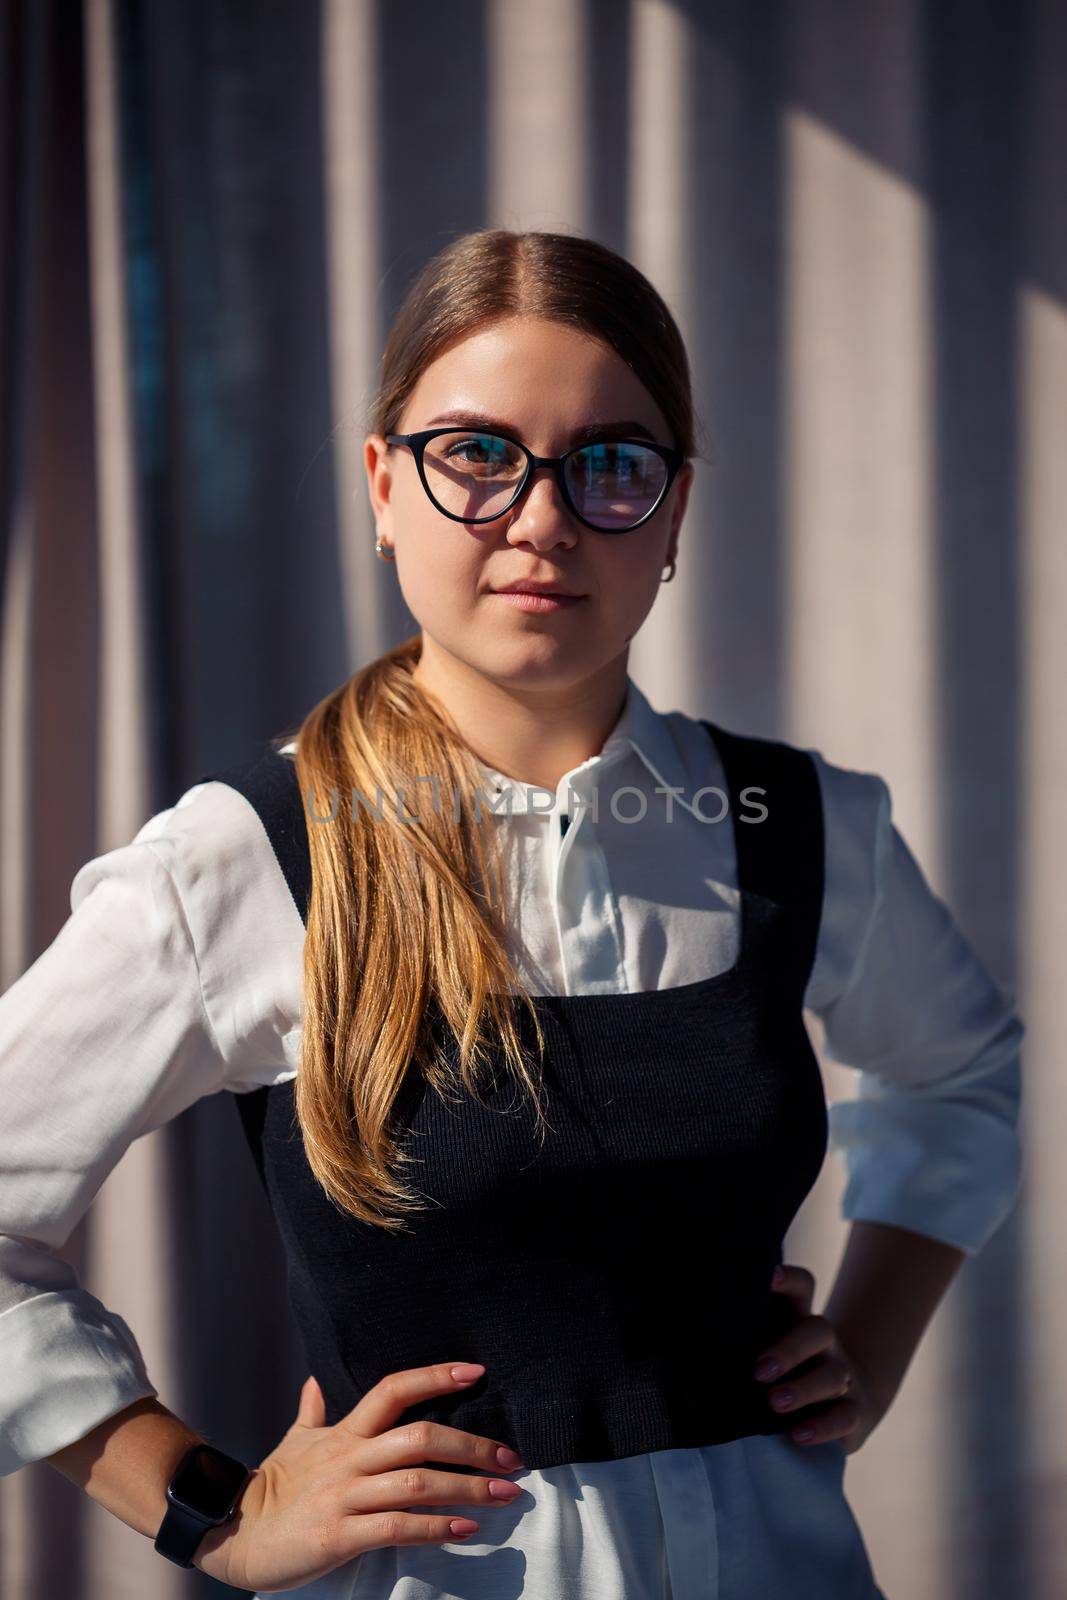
[[475, 475]]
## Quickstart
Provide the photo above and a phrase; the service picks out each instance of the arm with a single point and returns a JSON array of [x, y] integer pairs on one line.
[[888, 1286], [126, 1462], [930, 1141], [103, 1038], [106, 1037]]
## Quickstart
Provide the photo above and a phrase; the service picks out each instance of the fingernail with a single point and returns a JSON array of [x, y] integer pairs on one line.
[[804, 1433], [467, 1371], [500, 1489], [508, 1458], [777, 1276], [783, 1400], [767, 1367]]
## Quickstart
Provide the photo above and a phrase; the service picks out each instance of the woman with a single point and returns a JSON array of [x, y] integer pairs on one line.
[[516, 1033]]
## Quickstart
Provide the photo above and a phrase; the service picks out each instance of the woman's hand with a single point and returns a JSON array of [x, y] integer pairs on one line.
[[324, 1495], [852, 1409]]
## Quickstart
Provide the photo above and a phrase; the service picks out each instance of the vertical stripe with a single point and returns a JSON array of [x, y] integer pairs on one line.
[[128, 1230], [859, 536], [1043, 374], [353, 162], [660, 169], [15, 700], [123, 788], [535, 140]]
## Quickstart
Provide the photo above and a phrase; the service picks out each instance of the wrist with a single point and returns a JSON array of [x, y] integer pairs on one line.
[[879, 1376], [215, 1554]]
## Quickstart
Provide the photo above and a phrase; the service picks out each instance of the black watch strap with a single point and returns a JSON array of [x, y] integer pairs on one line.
[[180, 1534]]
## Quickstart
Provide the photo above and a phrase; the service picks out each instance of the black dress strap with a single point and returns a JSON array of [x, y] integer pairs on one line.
[[271, 788], [779, 832]]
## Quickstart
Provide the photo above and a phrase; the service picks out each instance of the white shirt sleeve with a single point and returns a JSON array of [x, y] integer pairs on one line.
[[931, 1140], [107, 1036]]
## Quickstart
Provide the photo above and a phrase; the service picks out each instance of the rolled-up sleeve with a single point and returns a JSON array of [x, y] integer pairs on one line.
[[930, 1140], [104, 1038]]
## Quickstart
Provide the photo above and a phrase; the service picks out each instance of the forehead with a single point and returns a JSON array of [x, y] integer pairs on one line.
[[543, 377]]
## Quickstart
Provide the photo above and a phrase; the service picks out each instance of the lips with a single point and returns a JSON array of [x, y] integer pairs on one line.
[[534, 601], [538, 588]]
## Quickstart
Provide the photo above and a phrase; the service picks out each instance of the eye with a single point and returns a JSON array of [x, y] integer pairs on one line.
[[478, 449]]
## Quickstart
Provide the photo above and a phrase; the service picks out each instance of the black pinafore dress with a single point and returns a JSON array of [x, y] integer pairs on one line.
[[614, 1278]]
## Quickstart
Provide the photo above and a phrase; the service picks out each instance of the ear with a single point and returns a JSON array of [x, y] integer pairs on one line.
[[680, 490], [378, 465]]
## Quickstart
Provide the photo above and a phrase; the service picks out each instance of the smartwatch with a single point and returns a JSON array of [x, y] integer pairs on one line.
[[203, 1493]]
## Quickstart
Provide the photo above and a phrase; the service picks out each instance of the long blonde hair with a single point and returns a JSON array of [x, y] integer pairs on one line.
[[406, 916]]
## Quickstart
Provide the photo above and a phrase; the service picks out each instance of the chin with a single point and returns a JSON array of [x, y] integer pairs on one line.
[[542, 669]]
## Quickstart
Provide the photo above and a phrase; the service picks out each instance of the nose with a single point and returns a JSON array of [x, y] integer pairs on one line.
[[541, 514]]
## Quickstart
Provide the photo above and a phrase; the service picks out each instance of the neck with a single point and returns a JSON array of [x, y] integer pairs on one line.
[[531, 733]]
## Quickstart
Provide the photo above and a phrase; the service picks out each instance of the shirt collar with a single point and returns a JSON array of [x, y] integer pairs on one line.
[[639, 727]]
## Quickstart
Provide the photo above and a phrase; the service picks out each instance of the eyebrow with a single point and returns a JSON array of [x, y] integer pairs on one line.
[[626, 428]]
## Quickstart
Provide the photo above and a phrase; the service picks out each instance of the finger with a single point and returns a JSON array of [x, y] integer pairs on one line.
[[828, 1381], [796, 1283], [311, 1412], [414, 1442], [411, 1488], [805, 1339], [379, 1529], [385, 1403], [837, 1421]]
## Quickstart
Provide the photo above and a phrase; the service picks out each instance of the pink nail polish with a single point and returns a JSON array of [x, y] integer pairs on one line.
[[500, 1489]]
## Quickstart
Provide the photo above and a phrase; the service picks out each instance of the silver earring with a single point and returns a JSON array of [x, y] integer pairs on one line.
[[381, 550], [674, 565]]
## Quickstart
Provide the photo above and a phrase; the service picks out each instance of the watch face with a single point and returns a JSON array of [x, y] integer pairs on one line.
[[207, 1482]]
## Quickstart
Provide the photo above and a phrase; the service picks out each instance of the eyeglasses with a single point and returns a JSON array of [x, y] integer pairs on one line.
[[612, 485]]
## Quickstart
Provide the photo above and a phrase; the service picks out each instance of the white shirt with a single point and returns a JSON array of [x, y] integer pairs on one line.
[[178, 975]]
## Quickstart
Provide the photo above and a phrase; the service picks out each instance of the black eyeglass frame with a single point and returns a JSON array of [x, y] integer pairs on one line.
[[417, 442]]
